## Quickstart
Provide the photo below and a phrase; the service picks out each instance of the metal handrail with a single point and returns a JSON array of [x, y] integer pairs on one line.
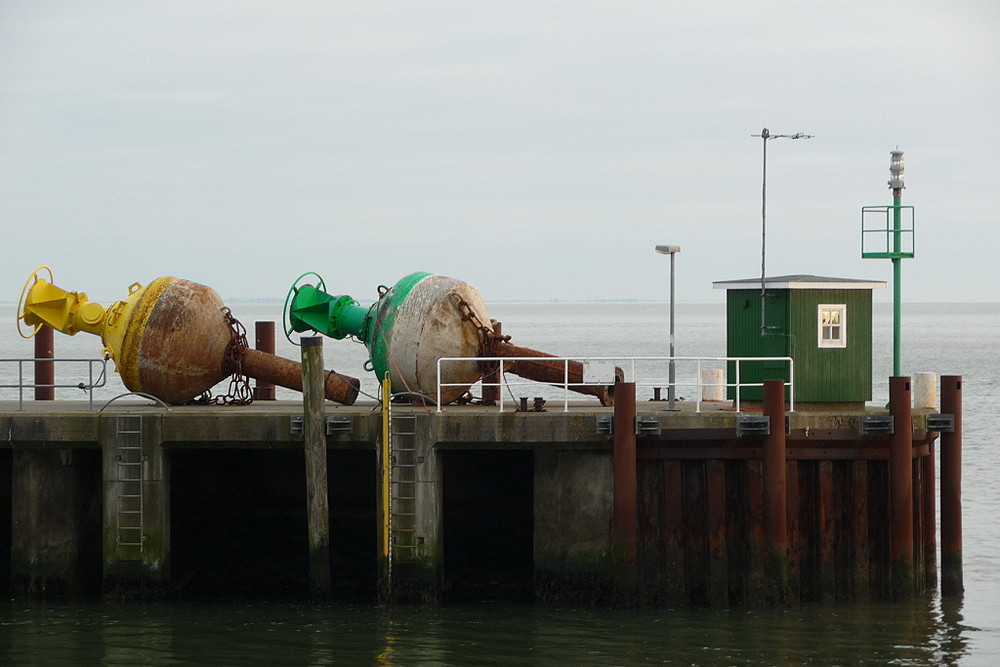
[[629, 368], [88, 386]]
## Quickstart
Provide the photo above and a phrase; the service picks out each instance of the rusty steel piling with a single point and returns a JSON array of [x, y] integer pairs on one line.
[[718, 567], [45, 371], [775, 495], [928, 515], [263, 341], [951, 489], [491, 380], [901, 488], [625, 510]]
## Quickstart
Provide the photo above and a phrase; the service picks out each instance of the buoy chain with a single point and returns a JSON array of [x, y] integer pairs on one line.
[[239, 392]]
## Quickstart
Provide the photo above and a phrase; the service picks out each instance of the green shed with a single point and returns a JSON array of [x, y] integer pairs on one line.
[[824, 324]]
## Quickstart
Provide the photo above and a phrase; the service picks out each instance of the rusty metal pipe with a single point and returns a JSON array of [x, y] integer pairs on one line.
[[45, 371], [288, 374], [951, 489], [264, 341], [775, 497], [553, 372], [491, 390], [901, 487], [624, 520]]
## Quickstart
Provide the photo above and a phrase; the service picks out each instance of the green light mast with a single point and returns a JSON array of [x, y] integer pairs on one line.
[[890, 240]]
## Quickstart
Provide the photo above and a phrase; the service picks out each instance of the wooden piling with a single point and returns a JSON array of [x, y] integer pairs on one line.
[[775, 495], [951, 489], [624, 516], [314, 445], [674, 574], [827, 524], [263, 341], [755, 590], [792, 517], [859, 499], [718, 570], [45, 371], [901, 488]]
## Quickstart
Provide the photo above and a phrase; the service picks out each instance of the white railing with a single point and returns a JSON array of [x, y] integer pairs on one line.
[[643, 371], [92, 382]]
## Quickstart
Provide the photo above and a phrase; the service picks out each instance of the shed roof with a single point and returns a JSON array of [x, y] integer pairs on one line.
[[800, 281]]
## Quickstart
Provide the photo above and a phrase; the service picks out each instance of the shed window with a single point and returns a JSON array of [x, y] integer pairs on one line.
[[832, 330]]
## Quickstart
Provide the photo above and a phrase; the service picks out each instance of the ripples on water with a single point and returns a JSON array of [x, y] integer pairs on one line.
[[914, 633]]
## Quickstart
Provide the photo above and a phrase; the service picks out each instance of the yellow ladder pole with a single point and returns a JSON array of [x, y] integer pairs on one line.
[[386, 464]]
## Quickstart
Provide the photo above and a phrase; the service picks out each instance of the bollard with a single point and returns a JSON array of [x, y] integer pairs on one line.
[[264, 341], [775, 494], [924, 391], [712, 384], [901, 488], [314, 445], [45, 371], [951, 489]]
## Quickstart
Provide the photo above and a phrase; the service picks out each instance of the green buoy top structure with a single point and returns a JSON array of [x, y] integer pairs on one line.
[[420, 319]]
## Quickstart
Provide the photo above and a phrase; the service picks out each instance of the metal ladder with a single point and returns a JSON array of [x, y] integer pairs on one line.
[[129, 459], [403, 483]]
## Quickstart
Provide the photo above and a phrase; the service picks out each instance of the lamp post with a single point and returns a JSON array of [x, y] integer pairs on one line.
[[670, 250], [765, 134]]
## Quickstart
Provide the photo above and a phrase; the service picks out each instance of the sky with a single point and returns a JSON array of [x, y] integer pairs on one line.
[[537, 150]]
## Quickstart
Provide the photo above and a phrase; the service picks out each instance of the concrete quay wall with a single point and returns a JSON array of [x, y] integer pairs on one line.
[[143, 501]]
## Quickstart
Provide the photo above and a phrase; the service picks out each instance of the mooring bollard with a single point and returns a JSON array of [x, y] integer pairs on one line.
[[951, 488], [901, 487], [314, 445]]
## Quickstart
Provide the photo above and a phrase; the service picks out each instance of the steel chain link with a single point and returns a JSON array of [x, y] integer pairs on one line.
[[239, 392]]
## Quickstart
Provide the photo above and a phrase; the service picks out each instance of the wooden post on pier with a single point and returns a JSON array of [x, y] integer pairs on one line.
[[901, 488], [951, 489], [314, 444], [45, 371], [775, 496]]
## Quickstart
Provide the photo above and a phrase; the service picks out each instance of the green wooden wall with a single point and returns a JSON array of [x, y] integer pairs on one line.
[[826, 375]]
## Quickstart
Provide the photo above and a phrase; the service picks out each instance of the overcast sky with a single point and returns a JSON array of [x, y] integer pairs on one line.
[[538, 150]]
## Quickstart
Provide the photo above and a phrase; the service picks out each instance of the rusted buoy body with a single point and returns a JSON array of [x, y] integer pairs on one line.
[[174, 341], [424, 318]]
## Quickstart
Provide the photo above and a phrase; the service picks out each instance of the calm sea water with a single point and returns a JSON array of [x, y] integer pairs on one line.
[[946, 339]]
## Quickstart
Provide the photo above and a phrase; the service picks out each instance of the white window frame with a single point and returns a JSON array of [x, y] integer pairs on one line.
[[822, 328]]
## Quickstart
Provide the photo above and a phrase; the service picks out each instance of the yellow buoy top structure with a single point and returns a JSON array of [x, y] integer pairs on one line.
[[171, 338]]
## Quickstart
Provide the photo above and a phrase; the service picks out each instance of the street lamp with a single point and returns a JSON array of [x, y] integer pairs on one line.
[[765, 134], [670, 250]]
